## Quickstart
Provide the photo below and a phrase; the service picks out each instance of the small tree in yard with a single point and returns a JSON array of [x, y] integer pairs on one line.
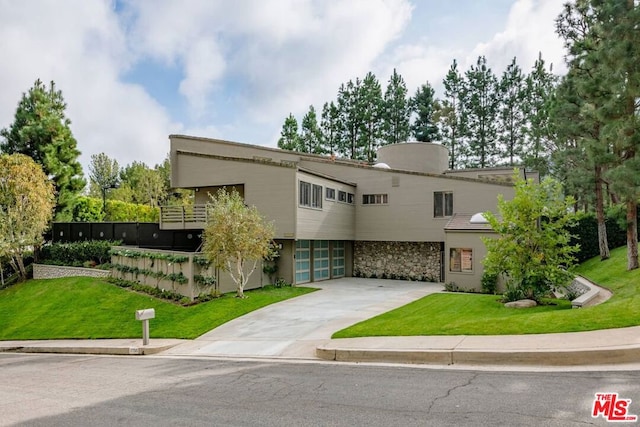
[[26, 206], [235, 236], [532, 249]]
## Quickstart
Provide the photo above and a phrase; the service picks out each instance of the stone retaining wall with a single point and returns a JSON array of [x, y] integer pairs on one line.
[[397, 260], [43, 271]]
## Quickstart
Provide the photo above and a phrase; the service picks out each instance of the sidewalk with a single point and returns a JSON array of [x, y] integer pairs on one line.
[[606, 347]]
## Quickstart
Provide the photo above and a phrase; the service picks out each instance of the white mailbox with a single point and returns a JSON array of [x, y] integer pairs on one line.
[[145, 314]]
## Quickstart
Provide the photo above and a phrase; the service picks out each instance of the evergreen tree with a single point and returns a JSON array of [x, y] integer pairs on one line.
[[540, 83], [481, 111], [602, 41], [330, 127], [289, 137], [351, 122], [310, 136], [396, 111], [513, 118], [371, 112], [451, 116], [42, 131], [581, 95], [424, 105]]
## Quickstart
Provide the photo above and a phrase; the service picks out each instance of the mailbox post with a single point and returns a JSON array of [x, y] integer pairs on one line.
[[145, 315]]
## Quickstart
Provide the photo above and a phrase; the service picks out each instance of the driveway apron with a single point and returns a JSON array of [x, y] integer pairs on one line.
[[294, 328]]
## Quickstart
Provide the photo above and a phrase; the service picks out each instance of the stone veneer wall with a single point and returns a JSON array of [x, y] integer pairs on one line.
[[397, 260], [43, 271]]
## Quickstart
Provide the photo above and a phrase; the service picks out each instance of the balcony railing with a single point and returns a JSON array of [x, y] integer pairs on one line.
[[183, 217]]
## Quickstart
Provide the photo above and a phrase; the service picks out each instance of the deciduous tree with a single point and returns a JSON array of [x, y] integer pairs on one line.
[[532, 249], [26, 207], [236, 236]]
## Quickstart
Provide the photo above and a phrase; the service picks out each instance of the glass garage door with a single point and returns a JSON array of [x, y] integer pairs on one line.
[[337, 262], [320, 260], [303, 261]]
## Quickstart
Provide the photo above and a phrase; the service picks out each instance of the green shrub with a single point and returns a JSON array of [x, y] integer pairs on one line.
[[77, 254], [90, 209], [489, 282]]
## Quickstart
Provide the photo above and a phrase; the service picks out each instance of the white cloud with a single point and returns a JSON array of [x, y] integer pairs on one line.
[[287, 53], [530, 29], [80, 45]]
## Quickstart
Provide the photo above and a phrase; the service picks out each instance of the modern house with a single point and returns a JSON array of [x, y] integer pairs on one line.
[[405, 217]]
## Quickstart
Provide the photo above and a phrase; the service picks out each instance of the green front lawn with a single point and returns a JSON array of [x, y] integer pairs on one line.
[[473, 314], [82, 307]]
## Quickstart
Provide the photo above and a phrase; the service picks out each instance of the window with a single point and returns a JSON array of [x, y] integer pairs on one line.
[[316, 197], [375, 199], [442, 204], [342, 196], [330, 193], [350, 197], [310, 195], [305, 194], [460, 260]]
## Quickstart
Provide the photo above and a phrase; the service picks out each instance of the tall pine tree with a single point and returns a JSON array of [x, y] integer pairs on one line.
[[310, 137], [371, 111], [481, 112], [397, 113], [289, 137], [425, 105], [451, 116], [330, 127], [513, 119], [42, 131]]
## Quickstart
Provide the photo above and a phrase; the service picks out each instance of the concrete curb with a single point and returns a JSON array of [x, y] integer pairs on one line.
[[570, 357], [120, 348]]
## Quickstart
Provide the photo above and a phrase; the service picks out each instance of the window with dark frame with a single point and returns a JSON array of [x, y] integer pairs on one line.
[[305, 194], [442, 204], [316, 197], [310, 195], [330, 193], [375, 199], [350, 197], [342, 196]]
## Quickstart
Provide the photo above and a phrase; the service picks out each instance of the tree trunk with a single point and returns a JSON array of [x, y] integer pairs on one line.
[[632, 235], [241, 280], [602, 228]]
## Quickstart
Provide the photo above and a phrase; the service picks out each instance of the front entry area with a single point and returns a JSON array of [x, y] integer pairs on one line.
[[317, 260]]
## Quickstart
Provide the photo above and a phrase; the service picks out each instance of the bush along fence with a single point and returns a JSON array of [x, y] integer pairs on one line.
[[187, 273]]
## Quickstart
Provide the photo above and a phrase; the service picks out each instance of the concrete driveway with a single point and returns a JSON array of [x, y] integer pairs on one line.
[[294, 328]]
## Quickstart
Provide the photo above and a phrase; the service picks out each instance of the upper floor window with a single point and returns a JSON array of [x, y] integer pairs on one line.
[[345, 197], [330, 193], [310, 195], [375, 199], [442, 204]]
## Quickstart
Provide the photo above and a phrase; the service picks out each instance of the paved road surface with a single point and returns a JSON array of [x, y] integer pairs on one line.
[[58, 390]]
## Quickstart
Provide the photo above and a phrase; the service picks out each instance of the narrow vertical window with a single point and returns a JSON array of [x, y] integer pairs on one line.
[[442, 204]]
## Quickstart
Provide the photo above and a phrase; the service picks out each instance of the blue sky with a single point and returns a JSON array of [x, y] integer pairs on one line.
[[134, 71]]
